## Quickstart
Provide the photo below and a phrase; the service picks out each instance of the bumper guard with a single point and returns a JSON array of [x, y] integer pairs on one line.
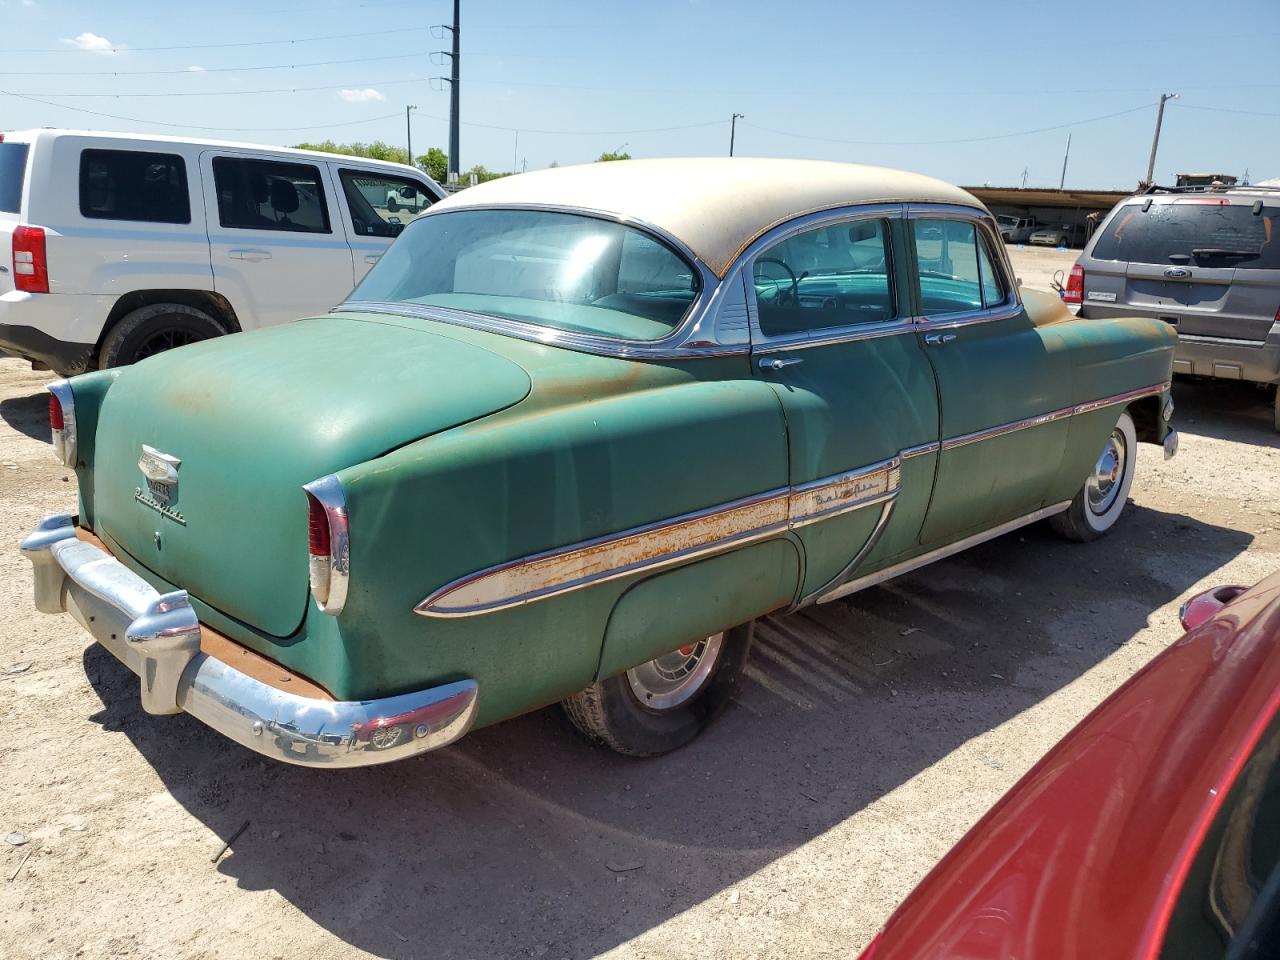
[[157, 636]]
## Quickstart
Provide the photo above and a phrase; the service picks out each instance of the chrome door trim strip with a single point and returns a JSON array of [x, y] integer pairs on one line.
[[663, 544], [1075, 410], [906, 566], [885, 512], [920, 450]]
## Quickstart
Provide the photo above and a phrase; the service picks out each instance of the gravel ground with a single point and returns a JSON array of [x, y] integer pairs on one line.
[[870, 735]]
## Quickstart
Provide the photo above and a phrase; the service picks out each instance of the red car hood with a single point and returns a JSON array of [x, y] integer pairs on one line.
[[1085, 856]]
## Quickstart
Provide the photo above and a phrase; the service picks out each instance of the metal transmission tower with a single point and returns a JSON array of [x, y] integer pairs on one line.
[[452, 80]]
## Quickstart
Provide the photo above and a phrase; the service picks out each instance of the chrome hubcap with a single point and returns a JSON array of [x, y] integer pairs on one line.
[[671, 679], [1104, 483]]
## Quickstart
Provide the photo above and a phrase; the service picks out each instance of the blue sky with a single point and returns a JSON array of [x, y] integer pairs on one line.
[[902, 84]]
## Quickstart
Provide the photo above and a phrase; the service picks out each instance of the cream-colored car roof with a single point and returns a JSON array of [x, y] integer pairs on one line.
[[715, 205]]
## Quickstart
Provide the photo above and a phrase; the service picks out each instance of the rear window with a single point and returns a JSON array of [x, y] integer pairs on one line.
[[1195, 232], [134, 185], [13, 171]]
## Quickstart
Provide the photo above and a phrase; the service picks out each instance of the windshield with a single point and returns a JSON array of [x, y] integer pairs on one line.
[[559, 270], [13, 170], [1206, 233], [1007, 221]]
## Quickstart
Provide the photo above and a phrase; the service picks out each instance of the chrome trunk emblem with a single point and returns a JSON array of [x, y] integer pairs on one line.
[[161, 472]]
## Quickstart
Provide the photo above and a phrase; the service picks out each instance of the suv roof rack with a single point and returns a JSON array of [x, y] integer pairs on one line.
[[1214, 188]]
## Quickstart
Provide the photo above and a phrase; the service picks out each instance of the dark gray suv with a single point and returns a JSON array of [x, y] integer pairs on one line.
[[1208, 263]]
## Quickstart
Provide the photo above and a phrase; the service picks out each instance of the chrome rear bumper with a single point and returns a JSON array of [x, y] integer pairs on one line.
[[157, 636]]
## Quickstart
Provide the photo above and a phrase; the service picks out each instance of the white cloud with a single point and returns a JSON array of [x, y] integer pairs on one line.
[[195, 68], [91, 41], [367, 95]]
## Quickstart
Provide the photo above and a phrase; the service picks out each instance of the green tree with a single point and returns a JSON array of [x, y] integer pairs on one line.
[[378, 150], [436, 162], [611, 155]]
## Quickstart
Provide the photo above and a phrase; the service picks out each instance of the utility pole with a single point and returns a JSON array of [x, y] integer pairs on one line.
[[514, 148], [733, 129], [453, 92], [1063, 182], [1155, 141], [408, 131], [1024, 178]]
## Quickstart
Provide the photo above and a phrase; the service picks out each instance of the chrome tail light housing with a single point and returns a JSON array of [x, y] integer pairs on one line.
[[62, 421], [328, 544]]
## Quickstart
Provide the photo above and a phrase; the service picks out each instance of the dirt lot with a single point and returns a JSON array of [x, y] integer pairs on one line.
[[870, 735]]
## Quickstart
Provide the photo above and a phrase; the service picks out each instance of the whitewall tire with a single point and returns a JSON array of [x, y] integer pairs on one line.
[[1102, 498]]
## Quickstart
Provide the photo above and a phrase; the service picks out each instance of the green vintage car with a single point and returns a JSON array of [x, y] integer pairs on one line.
[[570, 437]]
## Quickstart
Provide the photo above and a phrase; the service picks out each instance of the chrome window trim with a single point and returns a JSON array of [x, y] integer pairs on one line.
[[744, 265], [695, 335], [665, 543]]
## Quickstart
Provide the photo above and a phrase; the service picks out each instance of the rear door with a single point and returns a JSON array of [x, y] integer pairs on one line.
[[13, 176], [275, 242], [376, 207], [1209, 265]]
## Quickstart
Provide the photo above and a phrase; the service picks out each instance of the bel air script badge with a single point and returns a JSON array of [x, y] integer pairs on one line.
[[161, 473]]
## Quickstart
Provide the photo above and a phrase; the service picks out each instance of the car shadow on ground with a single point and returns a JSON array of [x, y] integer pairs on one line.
[[1225, 409], [28, 415], [522, 839]]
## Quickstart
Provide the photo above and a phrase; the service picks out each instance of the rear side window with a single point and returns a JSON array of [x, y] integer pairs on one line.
[[1194, 231], [13, 171], [133, 185], [268, 195], [947, 259], [826, 278]]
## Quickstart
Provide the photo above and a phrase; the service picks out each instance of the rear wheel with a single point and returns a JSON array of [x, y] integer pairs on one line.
[[392, 207], [661, 705], [1099, 503], [154, 329]]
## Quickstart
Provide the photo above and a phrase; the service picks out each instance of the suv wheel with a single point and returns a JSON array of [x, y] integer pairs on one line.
[[154, 329]]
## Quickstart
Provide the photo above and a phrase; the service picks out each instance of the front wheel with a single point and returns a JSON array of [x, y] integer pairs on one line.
[[1099, 503], [663, 704]]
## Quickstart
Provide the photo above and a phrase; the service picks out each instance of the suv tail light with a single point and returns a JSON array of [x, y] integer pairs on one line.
[[1074, 290], [328, 544], [30, 268], [62, 421]]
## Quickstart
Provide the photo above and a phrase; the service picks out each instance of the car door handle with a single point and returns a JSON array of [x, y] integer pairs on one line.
[[251, 255], [372, 258], [777, 363], [938, 339]]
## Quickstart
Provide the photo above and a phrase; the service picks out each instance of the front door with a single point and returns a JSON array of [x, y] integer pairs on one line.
[[831, 334], [1005, 395], [277, 249]]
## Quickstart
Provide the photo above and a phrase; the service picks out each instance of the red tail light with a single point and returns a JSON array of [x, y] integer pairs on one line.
[[328, 543], [30, 268], [317, 529], [56, 422], [1074, 291]]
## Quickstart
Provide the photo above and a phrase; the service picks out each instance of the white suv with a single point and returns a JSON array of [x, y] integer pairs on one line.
[[115, 246]]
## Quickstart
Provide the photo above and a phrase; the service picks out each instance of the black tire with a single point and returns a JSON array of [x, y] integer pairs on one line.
[[611, 713], [1083, 520], [154, 329], [392, 207], [1277, 409]]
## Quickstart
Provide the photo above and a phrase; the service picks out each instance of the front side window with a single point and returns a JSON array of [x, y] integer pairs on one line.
[[268, 195], [381, 206], [134, 185], [570, 272], [947, 262], [1205, 232], [833, 276]]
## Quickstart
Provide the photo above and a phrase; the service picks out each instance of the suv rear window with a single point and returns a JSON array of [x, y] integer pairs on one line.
[[1194, 231], [13, 170], [133, 185]]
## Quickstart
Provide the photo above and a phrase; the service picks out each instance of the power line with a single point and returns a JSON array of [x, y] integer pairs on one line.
[[929, 143], [192, 126], [1247, 113], [234, 93], [222, 46], [153, 73]]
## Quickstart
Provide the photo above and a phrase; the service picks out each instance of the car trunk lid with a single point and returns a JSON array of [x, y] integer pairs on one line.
[[251, 418]]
